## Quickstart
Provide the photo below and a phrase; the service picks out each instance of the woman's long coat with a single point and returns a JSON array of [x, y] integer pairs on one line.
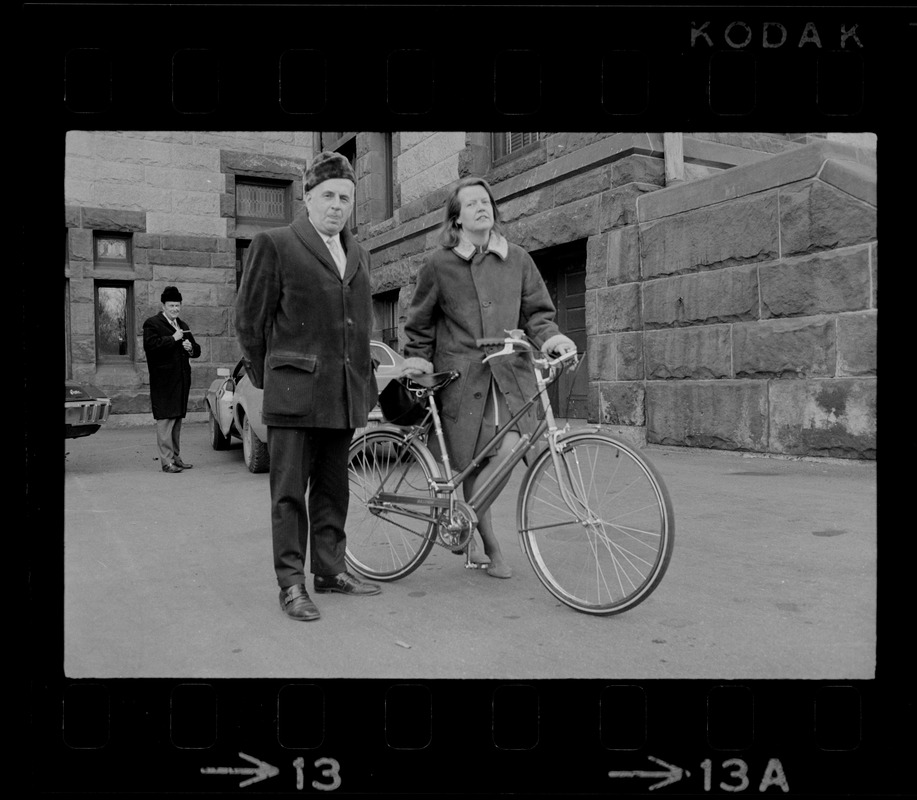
[[305, 330], [169, 366], [463, 295]]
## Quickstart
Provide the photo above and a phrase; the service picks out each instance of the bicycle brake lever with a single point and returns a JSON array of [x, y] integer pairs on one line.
[[507, 350]]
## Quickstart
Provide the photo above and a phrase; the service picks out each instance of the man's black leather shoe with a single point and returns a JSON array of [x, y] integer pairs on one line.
[[296, 603], [171, 468], [345, 583], [182, 464]]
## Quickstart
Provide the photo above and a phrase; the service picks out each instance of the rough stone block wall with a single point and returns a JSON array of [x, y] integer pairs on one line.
[[174, 191], [426, 162], [759, 310]]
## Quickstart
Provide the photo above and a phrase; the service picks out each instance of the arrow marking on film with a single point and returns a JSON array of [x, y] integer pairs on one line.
[[671, 776], [260, 772]]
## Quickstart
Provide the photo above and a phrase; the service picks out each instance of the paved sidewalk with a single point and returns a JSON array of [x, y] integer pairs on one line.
[[773, 576]]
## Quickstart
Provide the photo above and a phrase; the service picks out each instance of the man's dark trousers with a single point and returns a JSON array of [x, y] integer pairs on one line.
[[296, 455]]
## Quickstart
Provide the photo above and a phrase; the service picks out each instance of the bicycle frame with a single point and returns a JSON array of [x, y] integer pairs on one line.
[[595, 519], [488, 491]]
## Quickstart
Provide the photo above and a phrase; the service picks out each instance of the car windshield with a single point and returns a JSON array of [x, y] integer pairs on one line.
[[382, 355]]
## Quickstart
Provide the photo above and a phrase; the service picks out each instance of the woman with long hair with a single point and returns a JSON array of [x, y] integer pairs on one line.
[[477, 285]]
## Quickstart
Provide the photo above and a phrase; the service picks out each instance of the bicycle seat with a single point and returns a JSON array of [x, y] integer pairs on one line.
[[434, 380]]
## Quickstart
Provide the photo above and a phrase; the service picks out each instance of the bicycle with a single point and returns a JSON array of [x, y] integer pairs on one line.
[[594, 516]]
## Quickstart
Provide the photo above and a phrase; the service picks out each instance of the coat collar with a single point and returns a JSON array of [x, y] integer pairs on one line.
[[307, 232], [497, 244]]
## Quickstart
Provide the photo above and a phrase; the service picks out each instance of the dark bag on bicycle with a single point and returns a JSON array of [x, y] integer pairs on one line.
[[399, 405]]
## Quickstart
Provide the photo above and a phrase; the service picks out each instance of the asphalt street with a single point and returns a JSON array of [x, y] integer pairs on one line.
[[774, 575]]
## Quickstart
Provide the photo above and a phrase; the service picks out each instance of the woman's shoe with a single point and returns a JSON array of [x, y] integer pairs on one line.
[[476, 557], [501, 571]]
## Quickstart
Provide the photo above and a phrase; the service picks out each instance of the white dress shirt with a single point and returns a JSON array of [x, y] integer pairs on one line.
[[333, 243]]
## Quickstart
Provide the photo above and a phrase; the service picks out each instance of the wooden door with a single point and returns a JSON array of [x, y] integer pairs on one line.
[[564, 271]]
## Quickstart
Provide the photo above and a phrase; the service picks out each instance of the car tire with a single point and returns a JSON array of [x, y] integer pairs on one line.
[[254, 451], [217, 440]]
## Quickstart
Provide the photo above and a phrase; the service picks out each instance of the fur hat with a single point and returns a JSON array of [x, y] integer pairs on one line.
[[170, 295], [325, 167]]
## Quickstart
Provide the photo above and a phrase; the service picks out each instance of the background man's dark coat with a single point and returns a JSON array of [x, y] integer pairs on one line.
[[169, 365]]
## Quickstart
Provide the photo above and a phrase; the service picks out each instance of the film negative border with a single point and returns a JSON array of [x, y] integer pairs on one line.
[[470, 737], [119, 68], [611, 65]]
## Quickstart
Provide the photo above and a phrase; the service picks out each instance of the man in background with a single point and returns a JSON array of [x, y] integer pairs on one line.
[[169, 345]]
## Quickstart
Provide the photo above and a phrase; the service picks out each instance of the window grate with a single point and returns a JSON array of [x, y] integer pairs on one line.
[[507, 143], [112, 249], [261, 201]]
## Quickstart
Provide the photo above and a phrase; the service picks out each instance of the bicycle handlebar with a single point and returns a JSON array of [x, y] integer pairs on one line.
[[511, 341], [489, 342]]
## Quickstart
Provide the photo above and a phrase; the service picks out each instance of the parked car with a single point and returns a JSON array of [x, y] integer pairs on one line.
[[86, 408], [234, 407]]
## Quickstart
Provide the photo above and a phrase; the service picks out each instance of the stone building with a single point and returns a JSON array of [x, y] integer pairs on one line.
[[723, 286], [145, 209]]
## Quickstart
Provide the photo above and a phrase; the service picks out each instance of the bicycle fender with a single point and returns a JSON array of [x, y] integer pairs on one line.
[[387, 427], [578, 431]]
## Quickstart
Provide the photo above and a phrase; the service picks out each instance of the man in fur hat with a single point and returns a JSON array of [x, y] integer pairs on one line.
[[304, 320], [169, 345]]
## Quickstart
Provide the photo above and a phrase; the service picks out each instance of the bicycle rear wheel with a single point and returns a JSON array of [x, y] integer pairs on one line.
[[610, 551], [382, 543]]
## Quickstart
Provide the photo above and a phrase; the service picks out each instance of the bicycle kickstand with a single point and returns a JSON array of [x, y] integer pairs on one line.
[[469, 564]]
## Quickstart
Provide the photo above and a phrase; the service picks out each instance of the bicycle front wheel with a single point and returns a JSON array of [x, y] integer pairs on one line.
[[388, 541], [599, 535]]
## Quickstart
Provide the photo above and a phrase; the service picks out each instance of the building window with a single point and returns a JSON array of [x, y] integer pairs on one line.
[[114, 306], [332, 140], [388, 172], [263, 202], [376, 192], [510, 144], [112, 249], [385, 309], [114, 299]]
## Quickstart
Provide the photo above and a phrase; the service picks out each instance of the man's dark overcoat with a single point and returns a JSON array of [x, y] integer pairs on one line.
[[169, 366], [305, 330]]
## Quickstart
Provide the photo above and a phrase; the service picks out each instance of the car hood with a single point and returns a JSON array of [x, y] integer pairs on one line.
[[82, 391]]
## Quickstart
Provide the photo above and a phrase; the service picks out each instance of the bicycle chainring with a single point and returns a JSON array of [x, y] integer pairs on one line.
[[455, 530]]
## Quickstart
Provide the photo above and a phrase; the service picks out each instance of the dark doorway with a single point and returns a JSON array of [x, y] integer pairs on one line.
[[563, 268]]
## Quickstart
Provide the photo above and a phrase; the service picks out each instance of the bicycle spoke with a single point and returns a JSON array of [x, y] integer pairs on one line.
[[599, 540], [387, 543], [615, 548], [631, 532], [600, 574]]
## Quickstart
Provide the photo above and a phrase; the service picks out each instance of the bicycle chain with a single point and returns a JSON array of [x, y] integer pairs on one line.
[[437, 539]]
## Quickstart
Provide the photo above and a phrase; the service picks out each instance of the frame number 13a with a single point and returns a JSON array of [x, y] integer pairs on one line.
[[733, 774], [737, 775]]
